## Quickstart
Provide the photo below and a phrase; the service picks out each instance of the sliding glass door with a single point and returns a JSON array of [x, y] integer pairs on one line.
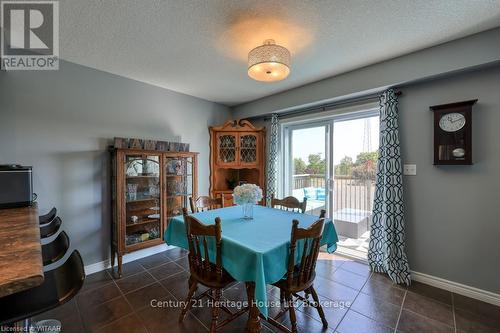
[[332, 163], [307, 161], [355, 153]]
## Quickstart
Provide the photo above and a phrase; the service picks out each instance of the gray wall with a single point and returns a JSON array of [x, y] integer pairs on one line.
[[61, 123], [453, 224], [452, 212]]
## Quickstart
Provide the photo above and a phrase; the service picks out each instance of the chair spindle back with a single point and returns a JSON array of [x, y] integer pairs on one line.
[[205, 203], [307, 241], [289, 204], [198, 235]]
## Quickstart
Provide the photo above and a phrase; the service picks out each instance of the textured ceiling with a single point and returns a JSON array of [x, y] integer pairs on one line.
[[200, 47]]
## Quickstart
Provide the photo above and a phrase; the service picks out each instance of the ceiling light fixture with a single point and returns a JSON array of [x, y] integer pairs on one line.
[[269, 62]]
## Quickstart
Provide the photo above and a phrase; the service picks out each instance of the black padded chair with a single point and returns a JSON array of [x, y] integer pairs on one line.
[[56, 249], [59, 286], [47, 218], [50, 229]]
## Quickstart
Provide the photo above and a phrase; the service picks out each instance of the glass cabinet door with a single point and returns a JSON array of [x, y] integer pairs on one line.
[[178, 184], [226, 148], [248, 148], [142, 198]]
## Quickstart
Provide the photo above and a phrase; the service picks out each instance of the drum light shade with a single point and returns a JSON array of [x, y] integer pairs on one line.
[[269, 62]]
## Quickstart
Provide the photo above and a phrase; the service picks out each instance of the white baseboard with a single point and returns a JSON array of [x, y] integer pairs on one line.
[[102, 265], [457, 288]]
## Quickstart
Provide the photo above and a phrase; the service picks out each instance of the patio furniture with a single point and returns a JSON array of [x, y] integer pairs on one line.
[[352, 223]]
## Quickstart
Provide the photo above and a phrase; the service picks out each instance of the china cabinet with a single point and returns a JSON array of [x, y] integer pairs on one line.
[[148, 188], [236, 156]]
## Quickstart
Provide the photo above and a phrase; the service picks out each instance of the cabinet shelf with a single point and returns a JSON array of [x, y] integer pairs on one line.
[[143, 222], [140, 177], [140, 209], [179, 195], [141, 200], [143, 244]]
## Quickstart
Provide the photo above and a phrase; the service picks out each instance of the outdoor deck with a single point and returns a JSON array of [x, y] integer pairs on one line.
[[353, 204]]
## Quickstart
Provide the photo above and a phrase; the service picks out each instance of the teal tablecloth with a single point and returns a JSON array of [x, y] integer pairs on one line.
[[253, 250]]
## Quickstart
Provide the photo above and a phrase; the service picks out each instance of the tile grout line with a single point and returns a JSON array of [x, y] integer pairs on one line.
[[129, 304], [80, 316], [345, 285], [428, 318], [349, 309], [84, 323], [400, 311], [123, 295], [145, 269], [126, 300], [453, 310], [429, 298], [168, 291], [342, 284], [87, 329], [148, 268]]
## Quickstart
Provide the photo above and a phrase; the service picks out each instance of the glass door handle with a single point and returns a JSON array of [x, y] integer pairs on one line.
[[330, 183]]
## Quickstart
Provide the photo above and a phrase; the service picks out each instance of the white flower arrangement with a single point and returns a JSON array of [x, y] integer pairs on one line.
[[247, 194]]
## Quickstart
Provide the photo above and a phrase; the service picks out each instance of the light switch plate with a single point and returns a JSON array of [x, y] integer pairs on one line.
[[410, 169]]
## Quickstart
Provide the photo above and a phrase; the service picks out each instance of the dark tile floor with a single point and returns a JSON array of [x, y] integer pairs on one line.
[[354, 299]]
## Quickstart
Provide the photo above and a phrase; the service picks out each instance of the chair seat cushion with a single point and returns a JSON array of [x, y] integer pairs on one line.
[[310, 193]]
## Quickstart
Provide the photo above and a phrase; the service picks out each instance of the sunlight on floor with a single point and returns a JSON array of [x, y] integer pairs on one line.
[[354, 247]]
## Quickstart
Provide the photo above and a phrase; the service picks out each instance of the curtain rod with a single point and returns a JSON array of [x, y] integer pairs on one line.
[[323, 107]]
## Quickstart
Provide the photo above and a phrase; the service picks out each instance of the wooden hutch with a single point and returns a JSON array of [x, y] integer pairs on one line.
[[237, 151], [148, 188]]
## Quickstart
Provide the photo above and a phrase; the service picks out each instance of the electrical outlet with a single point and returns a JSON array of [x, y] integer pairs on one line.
[[410, 169]]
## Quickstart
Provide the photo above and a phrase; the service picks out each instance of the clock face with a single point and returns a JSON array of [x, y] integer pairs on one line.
[[452, 122]]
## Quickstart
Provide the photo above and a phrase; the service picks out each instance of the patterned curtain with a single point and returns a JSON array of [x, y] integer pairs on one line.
[[386, 253], [272, 159]]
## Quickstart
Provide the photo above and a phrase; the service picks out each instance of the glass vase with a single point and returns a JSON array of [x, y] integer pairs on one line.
[[247, 211], [132, 191]]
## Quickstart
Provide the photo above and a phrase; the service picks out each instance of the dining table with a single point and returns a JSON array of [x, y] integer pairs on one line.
[[254, 251]]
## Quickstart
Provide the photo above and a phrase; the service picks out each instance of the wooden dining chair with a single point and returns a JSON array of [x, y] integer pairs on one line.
[[289, 204], [300, 274], [205, 203], [204, 272]]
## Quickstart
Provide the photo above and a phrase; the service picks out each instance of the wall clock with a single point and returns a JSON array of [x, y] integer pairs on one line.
[[453, 133]]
